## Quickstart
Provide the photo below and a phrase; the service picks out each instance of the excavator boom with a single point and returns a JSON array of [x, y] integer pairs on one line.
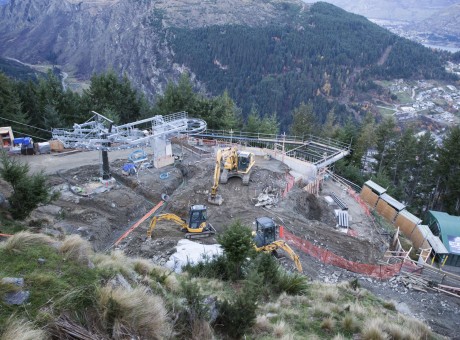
[[205, 229], [282, 245]]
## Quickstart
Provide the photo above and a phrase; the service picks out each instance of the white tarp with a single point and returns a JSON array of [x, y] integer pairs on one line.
[[191, 252]]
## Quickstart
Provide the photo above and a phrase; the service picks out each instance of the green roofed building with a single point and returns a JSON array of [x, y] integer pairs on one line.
[[447, 227]]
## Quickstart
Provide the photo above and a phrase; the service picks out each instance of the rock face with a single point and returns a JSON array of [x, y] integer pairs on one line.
[[131, 37]]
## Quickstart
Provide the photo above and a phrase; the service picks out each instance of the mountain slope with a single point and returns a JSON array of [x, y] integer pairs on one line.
[[394, 10], [445, 22], [273, 54]]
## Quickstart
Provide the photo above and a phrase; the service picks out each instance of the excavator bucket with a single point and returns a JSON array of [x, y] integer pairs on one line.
[[216, 200]]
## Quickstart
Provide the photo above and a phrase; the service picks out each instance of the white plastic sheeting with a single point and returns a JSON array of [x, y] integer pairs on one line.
[[191, 252]]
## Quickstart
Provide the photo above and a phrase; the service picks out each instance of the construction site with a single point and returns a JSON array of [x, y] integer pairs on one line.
[[114, 181]]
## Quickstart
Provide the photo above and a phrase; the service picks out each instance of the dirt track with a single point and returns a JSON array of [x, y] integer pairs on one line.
[[102, 214]]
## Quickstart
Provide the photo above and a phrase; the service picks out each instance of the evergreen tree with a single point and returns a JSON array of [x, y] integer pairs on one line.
[[304, 122], [385, 136], [448, 172], [10, 106]]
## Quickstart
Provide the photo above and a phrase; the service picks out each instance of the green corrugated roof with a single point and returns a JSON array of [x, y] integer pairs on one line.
[[450, 226]]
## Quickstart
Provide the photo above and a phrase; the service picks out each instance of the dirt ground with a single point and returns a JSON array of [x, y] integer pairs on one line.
[[102, 213]]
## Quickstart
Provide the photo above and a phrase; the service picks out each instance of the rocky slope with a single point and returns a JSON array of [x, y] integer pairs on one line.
[[129, 36]]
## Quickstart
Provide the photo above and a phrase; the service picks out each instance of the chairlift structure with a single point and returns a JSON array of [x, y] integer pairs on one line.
[[100, 133]]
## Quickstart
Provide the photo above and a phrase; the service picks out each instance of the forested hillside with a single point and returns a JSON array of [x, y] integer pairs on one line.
[[313, 58]]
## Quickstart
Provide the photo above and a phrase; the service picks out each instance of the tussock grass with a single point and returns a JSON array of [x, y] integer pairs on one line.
[[389, 305], [418, 329], [76, 249], [137, 310], [22, 330], [273, 307], [280, 329], [201, 330], [329, 293], [397, 332], [24, 240], [338, 337], [350, 324], [142, 266], [321, 310], [357, 309], [372, 330], [328, 324], [262, 325], [117, 261], [171, 283]]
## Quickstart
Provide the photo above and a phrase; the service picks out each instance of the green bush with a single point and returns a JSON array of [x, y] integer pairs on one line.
[[238, 246], [29, 190], [237, 316], [291, 283]]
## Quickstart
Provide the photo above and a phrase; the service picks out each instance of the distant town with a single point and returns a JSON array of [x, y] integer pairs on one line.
[[435, 106]]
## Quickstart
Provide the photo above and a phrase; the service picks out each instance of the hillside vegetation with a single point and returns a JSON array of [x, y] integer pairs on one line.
[[74, 291], [277, 67]]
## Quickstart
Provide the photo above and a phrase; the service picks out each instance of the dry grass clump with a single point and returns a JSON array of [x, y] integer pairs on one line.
[[171, 283], [329, 293], [142, 266], [358, 310], [262, 325], [137, 310], [328, 324], [397, 332], [418, 329], [201, 330], [321, 310], [373, 330], [75, 248], [273, 307], [350, 324], [280, 329], [339, 337], [390, 305], [24, 240], [22, 330], [116, 262]]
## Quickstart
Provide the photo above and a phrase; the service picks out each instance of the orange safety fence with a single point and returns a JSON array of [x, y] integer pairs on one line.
[[328, 257], [138, 223]]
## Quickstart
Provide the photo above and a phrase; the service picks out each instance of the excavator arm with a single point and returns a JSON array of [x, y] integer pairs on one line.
[[283, 245], [169, 217]]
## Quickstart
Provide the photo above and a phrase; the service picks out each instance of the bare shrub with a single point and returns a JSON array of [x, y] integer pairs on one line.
[[24, 240], [22, 330], [75, 248], [136, 310]]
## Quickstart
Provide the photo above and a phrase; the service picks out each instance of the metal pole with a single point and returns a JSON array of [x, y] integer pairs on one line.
[[105, 159]]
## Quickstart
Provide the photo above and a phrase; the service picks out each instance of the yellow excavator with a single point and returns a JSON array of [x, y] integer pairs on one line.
[[196, 226], [265, 240], [236, 164]]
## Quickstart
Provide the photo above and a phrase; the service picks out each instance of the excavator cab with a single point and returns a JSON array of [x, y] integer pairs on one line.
[[244, 160], [197, 216], [265, 232]]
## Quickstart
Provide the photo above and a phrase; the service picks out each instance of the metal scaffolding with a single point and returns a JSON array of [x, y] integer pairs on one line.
[[100, 133]]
